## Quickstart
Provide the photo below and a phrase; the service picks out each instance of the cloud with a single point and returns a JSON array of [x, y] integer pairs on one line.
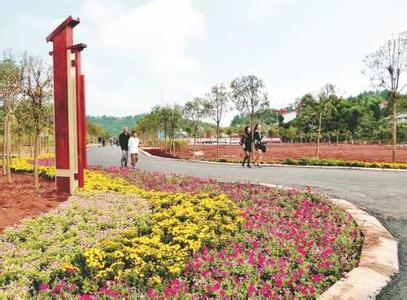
[[155, 34], [263, 10]]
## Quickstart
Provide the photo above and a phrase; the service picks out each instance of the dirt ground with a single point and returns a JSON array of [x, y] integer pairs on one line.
[[19, 199], [280, 152]]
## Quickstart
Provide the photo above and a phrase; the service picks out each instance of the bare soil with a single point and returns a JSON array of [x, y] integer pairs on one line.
[[280, 152], [19, 199]]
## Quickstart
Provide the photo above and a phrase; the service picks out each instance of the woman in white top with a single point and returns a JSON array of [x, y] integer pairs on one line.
[[134, 143]]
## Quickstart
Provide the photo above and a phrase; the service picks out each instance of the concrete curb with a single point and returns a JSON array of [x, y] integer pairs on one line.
[[276, 165], [378, 261]]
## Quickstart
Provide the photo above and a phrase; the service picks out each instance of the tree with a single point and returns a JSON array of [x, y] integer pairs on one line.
[[249, 96], [386, 67], [194, 111], [37, 82], [216, 107], [164, 114], [174, 119], [10, 87], [94, 131], [314, 110], [148, 126]]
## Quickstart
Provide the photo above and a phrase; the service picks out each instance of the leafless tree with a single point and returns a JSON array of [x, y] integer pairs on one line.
[[37, 84], [386, 69]]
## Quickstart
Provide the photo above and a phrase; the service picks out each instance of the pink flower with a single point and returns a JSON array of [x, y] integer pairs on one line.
[[251, 289], [150, 293], [43, 287], [279, 282], [316, 278]]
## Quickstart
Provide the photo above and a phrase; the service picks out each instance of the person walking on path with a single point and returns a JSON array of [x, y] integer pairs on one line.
[[246, 143], [134, 143], [259, 146], [124, 145]]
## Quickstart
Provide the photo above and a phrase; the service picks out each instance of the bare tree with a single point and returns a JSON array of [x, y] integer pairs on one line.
[[37, 87], [386, 67], [10, 88], [216, 106], [194, 111]]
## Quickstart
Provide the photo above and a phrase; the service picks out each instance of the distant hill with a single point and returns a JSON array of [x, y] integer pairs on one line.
[[114, 125]]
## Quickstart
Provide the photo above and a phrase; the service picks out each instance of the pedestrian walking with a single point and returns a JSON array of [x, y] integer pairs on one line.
[[134, 144], [124, 145], [259, 146], [246, 142]]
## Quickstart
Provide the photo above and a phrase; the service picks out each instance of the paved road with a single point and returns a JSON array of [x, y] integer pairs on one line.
[[383, 194]]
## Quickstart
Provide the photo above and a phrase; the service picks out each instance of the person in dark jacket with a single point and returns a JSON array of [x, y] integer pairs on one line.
[[246, 143], [258, 144], [124, 145]]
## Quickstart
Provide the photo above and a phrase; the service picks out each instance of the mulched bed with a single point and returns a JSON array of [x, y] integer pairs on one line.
[[19, 199]]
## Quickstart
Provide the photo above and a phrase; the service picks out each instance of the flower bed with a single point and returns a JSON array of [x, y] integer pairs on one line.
[[45, 166], [199, 238], [36, 252], [344, 163], [304, 161]]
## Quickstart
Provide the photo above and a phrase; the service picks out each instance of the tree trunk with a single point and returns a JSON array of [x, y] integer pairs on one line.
[[394, 129], [165, 141], [5, 146], [193, 148], [319, 134], [8, 118], [217, 140], [36, 149], [19, 145]]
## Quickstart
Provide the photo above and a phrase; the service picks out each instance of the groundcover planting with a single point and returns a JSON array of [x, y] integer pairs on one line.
[[140, 234]]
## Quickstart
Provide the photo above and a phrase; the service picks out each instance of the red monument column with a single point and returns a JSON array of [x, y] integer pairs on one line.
[[69, 106]]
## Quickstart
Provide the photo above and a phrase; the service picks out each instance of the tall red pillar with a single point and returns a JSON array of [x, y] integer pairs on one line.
[[69, 106]]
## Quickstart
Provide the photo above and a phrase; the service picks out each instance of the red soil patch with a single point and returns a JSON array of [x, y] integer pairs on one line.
[[19, 199], [280, 152]]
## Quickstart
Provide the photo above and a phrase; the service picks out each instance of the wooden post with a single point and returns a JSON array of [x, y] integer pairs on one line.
[[69, 107]]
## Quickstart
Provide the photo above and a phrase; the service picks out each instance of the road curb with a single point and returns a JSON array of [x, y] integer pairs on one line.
[[276, 165], [378, 261]]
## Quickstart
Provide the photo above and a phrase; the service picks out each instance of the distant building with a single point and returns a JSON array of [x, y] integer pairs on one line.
[[401, 118], [288, 117]]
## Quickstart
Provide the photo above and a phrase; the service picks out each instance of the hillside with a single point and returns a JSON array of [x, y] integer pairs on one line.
[[114, 125]]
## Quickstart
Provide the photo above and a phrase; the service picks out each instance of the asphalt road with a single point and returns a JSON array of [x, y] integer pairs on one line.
[[381, 193]]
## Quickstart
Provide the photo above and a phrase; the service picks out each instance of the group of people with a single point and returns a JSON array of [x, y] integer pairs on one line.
[[129, 144], [248, 139]]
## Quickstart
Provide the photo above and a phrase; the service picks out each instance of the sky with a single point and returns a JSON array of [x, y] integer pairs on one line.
[[143, 53]]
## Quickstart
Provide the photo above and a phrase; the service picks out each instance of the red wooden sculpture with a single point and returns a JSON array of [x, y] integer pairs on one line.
[[70, 116]]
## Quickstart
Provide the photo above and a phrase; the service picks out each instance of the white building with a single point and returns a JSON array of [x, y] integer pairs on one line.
[[288, 117], [401, 118]]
